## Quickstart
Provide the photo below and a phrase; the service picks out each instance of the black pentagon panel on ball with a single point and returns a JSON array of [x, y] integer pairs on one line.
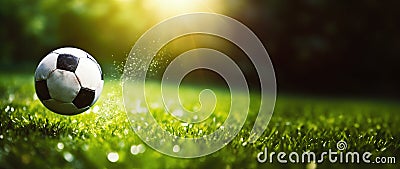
[[84, 98], [42, 91], [67, 62]]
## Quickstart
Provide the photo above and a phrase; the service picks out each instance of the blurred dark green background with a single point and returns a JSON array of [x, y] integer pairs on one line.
[[317, 46]]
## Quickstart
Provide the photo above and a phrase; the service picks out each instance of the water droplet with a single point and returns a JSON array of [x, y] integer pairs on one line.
[[195, 117], [113, 157], [221, 127], [162, 141], [11, 97], [176, 148], [1, 136], [121, 144], [35, 97], [85, 147], [311, 165], [126, 131], [155, 105], [142, 110], [6, 148], [244, 143], [134, 150], [96, 109], [60, 146], [141, 148], [184, 124], [68, 157], [178, 112]]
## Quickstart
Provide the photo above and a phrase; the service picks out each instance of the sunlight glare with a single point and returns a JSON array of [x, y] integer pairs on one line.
[[168, 8]]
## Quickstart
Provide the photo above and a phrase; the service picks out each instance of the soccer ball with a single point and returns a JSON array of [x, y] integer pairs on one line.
[[68, 81]]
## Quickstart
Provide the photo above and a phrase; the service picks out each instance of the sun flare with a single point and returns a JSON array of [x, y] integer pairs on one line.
[[168, 8]]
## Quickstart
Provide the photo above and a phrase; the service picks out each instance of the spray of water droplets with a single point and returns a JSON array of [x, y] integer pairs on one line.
[[171, 137]]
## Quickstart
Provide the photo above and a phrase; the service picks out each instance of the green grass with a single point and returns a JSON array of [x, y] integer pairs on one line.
[[33, 137]]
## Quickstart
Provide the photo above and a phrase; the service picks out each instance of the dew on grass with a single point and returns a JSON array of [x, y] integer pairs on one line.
[[96, 109], [155, 105], [178, 112], [113, 157], [176, 148], [126, 132], [68, 156], [85, 147], [311, 165], [141, 148], [134, 150], [11, 97], [184, 124], [60, 146], [139, 108], [162, 141], [6, 148], [35, 97]]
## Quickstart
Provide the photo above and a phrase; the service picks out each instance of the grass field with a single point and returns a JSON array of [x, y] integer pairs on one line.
[[33, 137]]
